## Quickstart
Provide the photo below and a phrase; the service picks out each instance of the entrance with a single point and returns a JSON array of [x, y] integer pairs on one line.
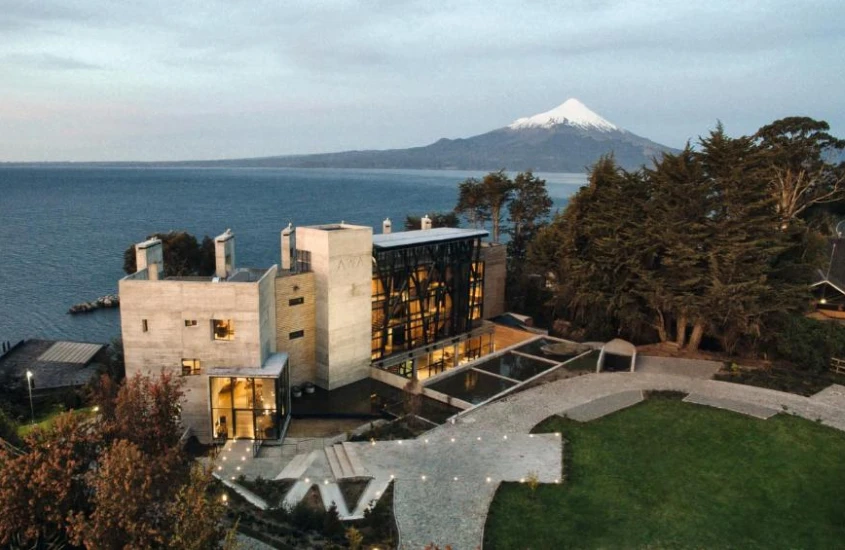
[[249, 408]]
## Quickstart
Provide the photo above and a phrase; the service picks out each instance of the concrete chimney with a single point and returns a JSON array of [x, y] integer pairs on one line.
[[385, 226], [286, 250], [149, 255], [425, 223], [224, 254]]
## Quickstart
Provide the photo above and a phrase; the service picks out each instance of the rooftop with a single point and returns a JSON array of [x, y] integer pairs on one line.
[[241, 275], [53, 364], [272, 367], [403, 239]]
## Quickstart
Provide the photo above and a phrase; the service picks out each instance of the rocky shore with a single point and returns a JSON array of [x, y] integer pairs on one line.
[[103, 302]]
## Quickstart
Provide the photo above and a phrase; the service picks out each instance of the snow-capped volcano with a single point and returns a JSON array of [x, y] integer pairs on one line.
[[571, 113], [569, 138]]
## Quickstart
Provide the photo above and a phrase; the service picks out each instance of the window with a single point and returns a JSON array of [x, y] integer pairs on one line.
[[191, 367], [144, 326], [303, 260], [296, 334], [296, 301], [190, 322], [223, 329]]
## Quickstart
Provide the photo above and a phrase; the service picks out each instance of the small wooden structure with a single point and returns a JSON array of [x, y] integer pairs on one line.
[[837, 365]]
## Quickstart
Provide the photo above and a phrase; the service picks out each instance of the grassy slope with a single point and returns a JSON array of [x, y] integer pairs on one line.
[[666, 474], [45, 421]]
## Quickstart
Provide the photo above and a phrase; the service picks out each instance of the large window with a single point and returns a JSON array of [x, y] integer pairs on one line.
[[423, 294], [249, 408], [223, 329]]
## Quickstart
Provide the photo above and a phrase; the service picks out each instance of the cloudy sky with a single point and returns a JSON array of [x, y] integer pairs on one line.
[[166, 80]]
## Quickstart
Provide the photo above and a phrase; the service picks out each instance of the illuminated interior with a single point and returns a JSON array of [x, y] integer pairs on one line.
[[425, 293], [426, 298], [249, 408]]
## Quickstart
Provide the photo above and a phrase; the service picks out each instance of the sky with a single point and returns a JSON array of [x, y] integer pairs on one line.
[[91, 80]]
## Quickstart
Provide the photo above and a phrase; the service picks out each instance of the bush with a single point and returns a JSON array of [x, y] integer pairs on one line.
[[9, 429], [809, 344]]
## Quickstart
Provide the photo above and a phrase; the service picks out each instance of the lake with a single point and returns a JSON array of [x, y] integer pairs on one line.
[[63, 230]]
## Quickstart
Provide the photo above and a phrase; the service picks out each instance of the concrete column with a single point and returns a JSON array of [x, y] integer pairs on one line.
[[286, 232], [224, 254], [425, 222], [386, 226], [149, 255]]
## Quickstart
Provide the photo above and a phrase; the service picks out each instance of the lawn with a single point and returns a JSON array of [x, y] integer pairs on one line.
[[45, 420], [667, 474]]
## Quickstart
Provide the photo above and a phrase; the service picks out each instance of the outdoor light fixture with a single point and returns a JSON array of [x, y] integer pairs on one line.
[[422, 477], [29, 385]]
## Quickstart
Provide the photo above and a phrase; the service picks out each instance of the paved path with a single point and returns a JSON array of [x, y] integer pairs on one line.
[[461, 524], [492, 442]]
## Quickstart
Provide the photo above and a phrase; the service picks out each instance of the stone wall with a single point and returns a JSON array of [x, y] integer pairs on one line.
[[294, 317]]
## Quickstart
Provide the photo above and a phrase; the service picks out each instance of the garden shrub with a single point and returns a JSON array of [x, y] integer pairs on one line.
[[809, 344]]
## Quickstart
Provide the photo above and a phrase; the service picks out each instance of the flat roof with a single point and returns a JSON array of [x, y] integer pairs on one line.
[[424, 236], [70, 352], [272, 368]]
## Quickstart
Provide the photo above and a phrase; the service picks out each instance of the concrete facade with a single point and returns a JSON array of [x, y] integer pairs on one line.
[[319, 312], [341, 259], [296, 311], [494, 256]]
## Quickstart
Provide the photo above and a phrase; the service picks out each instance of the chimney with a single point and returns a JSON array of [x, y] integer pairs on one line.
[[224, 254], [286, 249], [149, 255], [385, 226], [425, 223]]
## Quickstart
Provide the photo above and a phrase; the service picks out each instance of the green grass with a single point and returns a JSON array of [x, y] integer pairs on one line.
[[45, 421], [667, 474]]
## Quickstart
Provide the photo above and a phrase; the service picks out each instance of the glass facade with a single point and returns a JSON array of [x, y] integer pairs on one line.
[[425, 293], [250, 408]]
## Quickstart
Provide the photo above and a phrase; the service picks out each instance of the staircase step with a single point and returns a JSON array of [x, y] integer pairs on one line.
[[343, 459], [334, 464], [358, 469], [296, 467]]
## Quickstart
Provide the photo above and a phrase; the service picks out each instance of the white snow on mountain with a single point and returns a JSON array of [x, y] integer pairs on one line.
[[571, 112]]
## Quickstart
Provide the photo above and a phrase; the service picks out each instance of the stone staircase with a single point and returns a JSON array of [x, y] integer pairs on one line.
[[344, 462], [297, 467]]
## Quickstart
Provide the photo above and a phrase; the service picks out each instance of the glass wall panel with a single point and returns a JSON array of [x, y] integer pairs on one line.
[[267, 424], [243, 393]]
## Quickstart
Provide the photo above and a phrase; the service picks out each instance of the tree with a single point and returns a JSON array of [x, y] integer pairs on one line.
[[696, 241], [42, 488], [472, 202], [798, 175], [497, 189], [146, 412], [119, 480], [183, 255], [528, 212], [438, 219]]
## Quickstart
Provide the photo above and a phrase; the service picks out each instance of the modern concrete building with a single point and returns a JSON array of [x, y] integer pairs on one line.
[[344, 306]]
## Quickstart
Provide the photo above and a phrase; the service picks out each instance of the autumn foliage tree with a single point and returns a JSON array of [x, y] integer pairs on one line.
[[119, 481]]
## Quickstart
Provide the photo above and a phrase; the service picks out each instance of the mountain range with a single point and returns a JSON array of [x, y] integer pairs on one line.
[[568, 138]]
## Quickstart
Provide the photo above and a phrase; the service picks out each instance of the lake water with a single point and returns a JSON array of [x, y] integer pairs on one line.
[[63, 230]]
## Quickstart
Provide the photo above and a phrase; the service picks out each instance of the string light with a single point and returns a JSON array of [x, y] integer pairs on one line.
[[453, 440], [489, 480], [504, 437], [422, 477]]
